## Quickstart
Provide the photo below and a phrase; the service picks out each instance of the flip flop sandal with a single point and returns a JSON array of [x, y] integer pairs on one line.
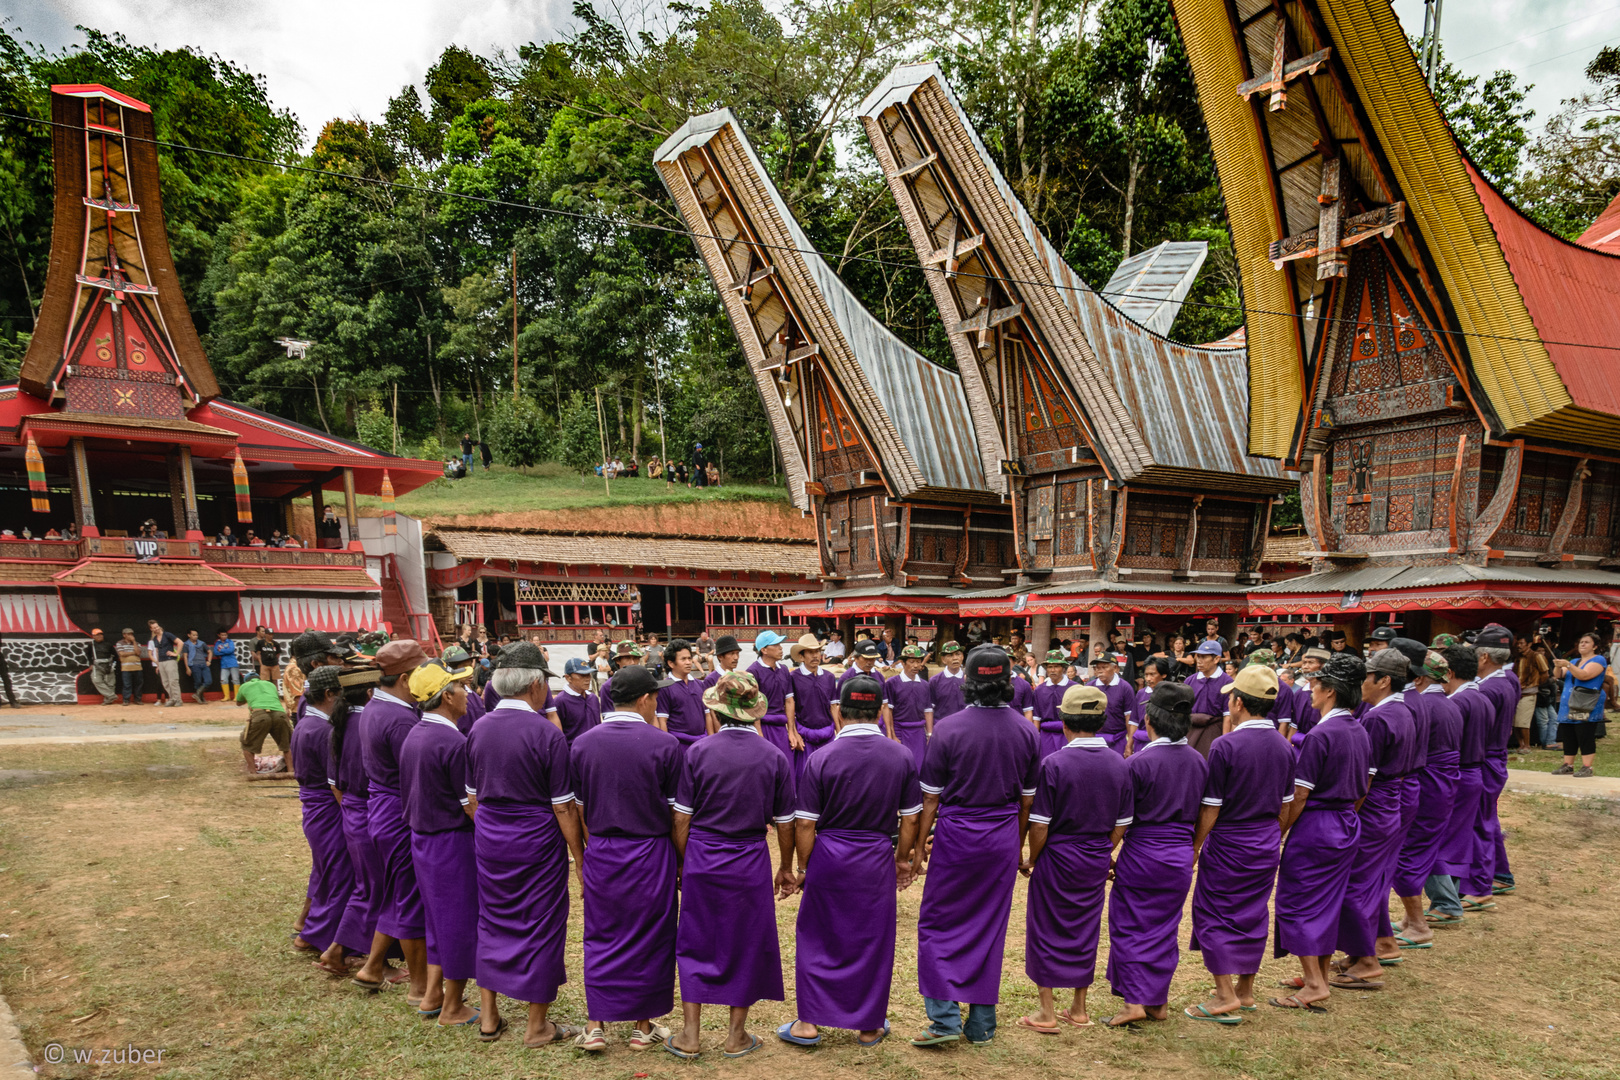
[[1479, 905], [563, 1034], [884, 1034], [1391, 962], [397, 976], [1026, 1022], [330, 970], [1109, 1023], [1350, 982], [1296, 983], [682, 1054], [1441, 920], [929, 1038], [428, 1014], [1308, 1006], [785, 1033], [473, 1019], [1063, 1015], [367, 985], [1248, 1008], [1503, 890], [306, 947], [753, 1044], [493, 1036], [1407, 943], [1213, 1018]]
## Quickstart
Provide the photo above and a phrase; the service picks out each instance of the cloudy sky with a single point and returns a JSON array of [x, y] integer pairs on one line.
[[326, 58]]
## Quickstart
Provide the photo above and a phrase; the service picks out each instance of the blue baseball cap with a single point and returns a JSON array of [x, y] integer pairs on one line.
[[1208, 648], [766, 639], [576, 666]]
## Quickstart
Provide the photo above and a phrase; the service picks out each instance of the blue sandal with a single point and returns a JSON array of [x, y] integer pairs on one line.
[[785, 1033], [1214, 1018]]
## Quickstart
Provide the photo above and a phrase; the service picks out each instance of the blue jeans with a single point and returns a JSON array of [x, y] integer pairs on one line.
[[201, 678], [230, 676], [132, 683], [945, 1018], [1544, 726], [1443, 895]]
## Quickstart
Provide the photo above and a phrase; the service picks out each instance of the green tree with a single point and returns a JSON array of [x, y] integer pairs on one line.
[[1488, 119], [519, 432], [1576, 161]]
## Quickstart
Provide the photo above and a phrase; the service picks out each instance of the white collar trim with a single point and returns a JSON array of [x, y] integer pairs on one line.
[[858, 729], [1259, 723], [310, 710], [1331, 713], [1099, 683], [386, 696], [959, 673], [435, 718], [623, 716], [512, 705], [1161, 741], [1087, 742]]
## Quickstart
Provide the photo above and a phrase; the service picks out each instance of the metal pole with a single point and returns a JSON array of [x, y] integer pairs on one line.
[[601, 431], [514, 326]]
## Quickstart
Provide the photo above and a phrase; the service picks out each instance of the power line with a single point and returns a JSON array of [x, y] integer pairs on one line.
[[1538, 33], [601, 219]]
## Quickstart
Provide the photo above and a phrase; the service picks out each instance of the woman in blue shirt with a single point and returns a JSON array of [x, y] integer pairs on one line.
[[230, 676], [1580, 710]]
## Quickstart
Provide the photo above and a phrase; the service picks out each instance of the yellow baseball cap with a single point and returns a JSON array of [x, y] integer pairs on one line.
[[1256, 680], [1083, 700], [433, 677]]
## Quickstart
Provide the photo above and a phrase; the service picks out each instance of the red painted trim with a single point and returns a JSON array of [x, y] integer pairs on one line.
[[95, 90]]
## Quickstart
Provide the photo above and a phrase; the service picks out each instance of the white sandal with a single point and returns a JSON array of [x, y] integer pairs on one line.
[[646, 1040]]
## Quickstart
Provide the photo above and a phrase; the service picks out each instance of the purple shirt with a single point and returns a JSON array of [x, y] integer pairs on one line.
[[1478, 715], [577, 713], [861, 781], [1139, 706], [813, 696], [982, 757], [1251, 773], [1333, 762], [945, 690], [883, 686], [312, 751], [681, 706], [1023, 698], [735, 783], [383, 727], [1048, 696], [910, 698], [475, 709], [1084, 789], [775, 683], [351, 766], [1393, 736], [624, 776], [515, 755], [1167, 779], [1445, 724], [1121, 701], [433, 777], [1501, 688], [1210, 692]]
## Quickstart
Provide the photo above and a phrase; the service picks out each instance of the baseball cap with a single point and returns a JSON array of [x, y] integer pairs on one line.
[[866, 647], [523, 654], [1317, 654], [1414, 651], [455, 654], [1263, 657], [1208, 648], [1494, 636], [1256, 680], [1083, 700], [577, 666], [988, 663], [861, 692], [766, 639], [433, 677], [398, 657], [632, 682], [1383, 633]]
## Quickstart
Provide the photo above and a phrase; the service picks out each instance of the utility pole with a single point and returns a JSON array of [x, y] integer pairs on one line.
[[601, 431], [396, 419], [514, 325], [1429, 59]]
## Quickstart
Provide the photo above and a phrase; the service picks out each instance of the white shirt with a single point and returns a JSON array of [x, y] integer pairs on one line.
[[623, 716], [959, 673], [833, 650]]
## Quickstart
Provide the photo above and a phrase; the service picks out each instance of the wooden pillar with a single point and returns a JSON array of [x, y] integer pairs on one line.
[[351, 511], [479, 585], [287, 518], [84, 510], [1355, 630], [317, 502], [1039, 639], [188, 491]]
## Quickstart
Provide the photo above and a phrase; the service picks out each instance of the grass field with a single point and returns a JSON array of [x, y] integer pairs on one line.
[[148, 893], [553, 487]]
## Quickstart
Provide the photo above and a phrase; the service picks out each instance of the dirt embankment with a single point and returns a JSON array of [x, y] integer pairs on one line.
[[765, 520]]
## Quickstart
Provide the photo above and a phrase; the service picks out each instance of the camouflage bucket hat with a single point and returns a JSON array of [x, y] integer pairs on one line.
[[1435, 666], [1056, 656], [736, 695], [627, 648], [1445, 641], [950, 647], [913, 652], [1263, 656]]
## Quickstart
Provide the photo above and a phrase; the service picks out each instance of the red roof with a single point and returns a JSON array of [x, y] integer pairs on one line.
[[1604, 233], [1573, 294]]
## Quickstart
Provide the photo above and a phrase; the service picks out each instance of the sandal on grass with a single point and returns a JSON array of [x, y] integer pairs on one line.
[[1199, 1012], [562, 1034], [1407, 943], [1036, 1027], [1351, 982], [493, 1036], [1308, 1006], [753, 1044], [929, 1037]]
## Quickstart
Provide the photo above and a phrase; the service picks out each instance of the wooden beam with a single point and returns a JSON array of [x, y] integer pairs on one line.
[[916, 166], [1381, 221], [1282, 73], [1331, 261]]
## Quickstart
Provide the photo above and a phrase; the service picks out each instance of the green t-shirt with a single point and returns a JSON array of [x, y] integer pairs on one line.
[[260, 695]]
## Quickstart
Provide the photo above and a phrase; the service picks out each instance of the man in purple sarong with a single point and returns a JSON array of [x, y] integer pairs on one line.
[[1321, 830], [911, 702], [1489, 872], [388, 718], [1238, 844], [1083, 802], [814, 692], [1048, 696], [850, 796], [863, 660], [775, 680], [680, 705], [978, 781], [527, 829], [625, 771], [433, 784], [574, 709], [625, 654], [1155, 864], [331, 879], [1210, 685], [1456, 856], [1121, 697], [945, 688], [1437, 782], [1388, 948], [733, 785]]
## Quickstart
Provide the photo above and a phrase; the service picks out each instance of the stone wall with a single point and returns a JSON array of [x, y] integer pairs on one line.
[[43, 669]]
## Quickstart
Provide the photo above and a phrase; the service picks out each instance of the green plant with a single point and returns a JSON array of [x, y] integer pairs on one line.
[[519, 433], [375, 428]]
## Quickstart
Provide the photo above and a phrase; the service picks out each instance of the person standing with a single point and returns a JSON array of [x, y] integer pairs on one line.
[[680, 704], [230, 669], [1048, 697], [131, 675], [945, 688], [1456, 854], [103, 666], [625, 654], [727, 654], [1437, 783], [484, 454], [1154, 869], [848, 800], [527, 829], [1083, 802], [774, 679], [1500, 685], [1210, 685], [814, 692], [331, 880], [433, 777], [911, 703], [1580, 705], [625, 774], [732, 786], [199, 657], [864, 661], [164, 650], [267, 654], [1121, 695], [1321, 829], [575, 710], [1238, 844], [978, 782], [467, 450]]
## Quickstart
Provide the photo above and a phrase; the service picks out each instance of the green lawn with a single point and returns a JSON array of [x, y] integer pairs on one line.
[[553, 487]]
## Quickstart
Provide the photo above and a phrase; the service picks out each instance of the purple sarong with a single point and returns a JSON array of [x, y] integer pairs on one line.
[[522, 900], [1231, 904], [1053, 738], [1488, 847], [814, 739], [1377, 848], [774, 727], [331, 878], [400, 914], [913, 737], [1436, 785], [1457, 848], [447, 874], [1311, 880], [726, 948], [846, 931], [1063, 917], [365, 900], [1411, 794], [1151, 879], [967, 896], [629, 927]]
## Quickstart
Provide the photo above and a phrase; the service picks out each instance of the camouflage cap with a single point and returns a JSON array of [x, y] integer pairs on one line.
[[736, 695], [1057, 656], [1262, 656], [627, 648], [952, 646], [1445, 641], [913, 652], [1435, 666]]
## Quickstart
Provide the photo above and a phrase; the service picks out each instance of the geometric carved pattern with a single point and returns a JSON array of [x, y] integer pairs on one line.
[[1543, 488], [1223, 536], [1156, 531], [1389, 365], [1396, 478]]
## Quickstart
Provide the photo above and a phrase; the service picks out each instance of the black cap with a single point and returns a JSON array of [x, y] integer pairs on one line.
[[522, 654], [632, 682], [988, 664], [1494, 636], [860, 692], [1173, 698], [1416, 653], [866, 647], [726, 644], [312, 644], [1383, 633]]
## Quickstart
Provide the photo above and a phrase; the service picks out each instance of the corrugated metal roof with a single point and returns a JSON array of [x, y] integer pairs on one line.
[[798, 560], [1150, 285], [1604, 233], [921, 401], [1189, 404], [1367, 578]]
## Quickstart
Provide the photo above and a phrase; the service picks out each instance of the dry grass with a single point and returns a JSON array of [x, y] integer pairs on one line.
[[147, 888]]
